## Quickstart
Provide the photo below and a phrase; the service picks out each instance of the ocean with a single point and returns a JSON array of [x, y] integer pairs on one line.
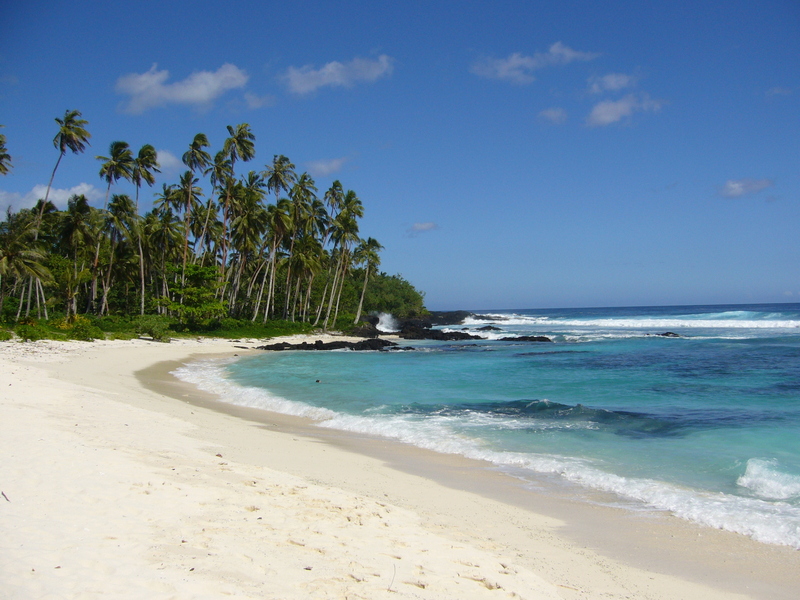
[[705, 425]]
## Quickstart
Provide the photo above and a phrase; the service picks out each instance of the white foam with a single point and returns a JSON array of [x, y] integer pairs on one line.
[[724, 321], [763, 478], [768, 522], [209, 376], [763, 520]]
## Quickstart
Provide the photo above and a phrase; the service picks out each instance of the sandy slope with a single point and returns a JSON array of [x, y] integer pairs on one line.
[[113, 490]]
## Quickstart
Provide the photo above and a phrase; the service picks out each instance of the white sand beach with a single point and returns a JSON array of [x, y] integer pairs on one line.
[[116, 489]]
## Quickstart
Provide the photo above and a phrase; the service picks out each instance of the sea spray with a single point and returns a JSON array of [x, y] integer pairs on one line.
[[387, 323]]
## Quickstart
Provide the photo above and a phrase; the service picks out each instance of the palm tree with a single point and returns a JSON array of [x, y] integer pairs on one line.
[[278, 225], [220, 174], [301, 195], [19, 256], [72, 135], [5, 157], [145, 165], [162, 232], [247, 227], [119, 225], [367, 254], [345, 233], [188, 191], [280, 175], [143, 169], [195, 157], [239, 146], [118, 165], [78, 234]]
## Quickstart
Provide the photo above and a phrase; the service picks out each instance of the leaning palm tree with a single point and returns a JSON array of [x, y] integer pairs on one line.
[[367, 254], [72, 135], [5, 157], [119, 164]]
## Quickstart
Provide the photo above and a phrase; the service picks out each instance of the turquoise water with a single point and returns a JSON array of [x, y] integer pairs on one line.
[[705, 425]]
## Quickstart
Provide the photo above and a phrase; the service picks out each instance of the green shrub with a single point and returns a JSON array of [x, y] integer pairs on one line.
[[30, 332], [82, 329], [5, 335], [156, 326]]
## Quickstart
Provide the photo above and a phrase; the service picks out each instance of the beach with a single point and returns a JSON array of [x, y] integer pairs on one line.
[[120, 481]]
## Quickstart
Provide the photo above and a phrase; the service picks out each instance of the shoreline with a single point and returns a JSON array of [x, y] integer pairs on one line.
[[560, 547]]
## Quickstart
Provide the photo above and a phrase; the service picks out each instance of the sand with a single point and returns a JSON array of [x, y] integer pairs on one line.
[[118, 482]]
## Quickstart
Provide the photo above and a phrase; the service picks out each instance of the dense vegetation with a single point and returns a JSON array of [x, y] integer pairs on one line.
[[231, 262]]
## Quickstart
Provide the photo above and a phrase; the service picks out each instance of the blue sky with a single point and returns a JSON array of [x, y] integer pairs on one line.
[[508, 154]]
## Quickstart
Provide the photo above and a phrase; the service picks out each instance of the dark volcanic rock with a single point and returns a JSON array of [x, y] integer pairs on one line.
[[368, 344], [488, 328], [412, 332], [366, 330], [527, 338], [668, 334], [450, 317]]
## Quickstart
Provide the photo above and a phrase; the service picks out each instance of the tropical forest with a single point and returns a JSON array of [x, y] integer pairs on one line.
[[225, 250]]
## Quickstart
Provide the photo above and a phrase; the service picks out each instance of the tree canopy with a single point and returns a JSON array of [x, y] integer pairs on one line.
[[260, 245]]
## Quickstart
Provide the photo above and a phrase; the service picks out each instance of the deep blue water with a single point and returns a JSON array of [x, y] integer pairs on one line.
[[705, 425]]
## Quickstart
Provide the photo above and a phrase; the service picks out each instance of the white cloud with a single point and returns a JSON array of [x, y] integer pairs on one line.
[[201, 88], [306, 79], [554, 115], [254, 101], [323, 168], [611, 111], [613, 82], [418, 228], [518, 68], [736, 188], [57, 196], [168, 162]]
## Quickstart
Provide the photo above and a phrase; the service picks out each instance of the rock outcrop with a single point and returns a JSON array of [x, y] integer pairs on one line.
[[368, 344]]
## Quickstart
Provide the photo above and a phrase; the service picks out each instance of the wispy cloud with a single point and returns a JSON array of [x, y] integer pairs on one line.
[[518, 68], [613, 82], [418, 228], [57, 196], [554, 115], [254, 101], [736, 188], [324, 168], [201, 88], [306, 79], [168, 162], [779, 91], [611, 111]]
